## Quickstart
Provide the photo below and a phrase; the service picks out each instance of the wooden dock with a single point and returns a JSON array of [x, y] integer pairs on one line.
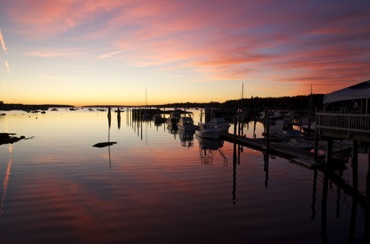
[[303, 158], [296, 155]]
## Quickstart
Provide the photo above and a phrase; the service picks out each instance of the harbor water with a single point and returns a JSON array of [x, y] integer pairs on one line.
[[156, 185]]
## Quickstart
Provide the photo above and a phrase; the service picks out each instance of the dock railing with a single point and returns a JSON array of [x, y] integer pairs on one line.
[[343, 125]]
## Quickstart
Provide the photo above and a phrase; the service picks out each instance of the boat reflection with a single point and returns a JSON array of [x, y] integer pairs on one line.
[[172, 129], [186, 138], [208, 149]]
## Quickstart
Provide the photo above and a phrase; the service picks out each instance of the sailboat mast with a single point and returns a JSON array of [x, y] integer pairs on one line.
[[242, 94], [146, 97]]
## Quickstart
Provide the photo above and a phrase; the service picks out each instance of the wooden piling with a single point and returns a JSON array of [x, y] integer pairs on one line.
[[329, 149], [355, 168], [367, 218], [267, 129]]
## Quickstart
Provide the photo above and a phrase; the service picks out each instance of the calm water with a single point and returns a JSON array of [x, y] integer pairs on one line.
[[152, 187]]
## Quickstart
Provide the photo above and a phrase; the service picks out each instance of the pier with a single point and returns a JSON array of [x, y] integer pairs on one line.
[[334, 133], [299, 156]]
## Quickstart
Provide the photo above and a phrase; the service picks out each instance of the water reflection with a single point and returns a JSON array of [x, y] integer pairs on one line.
[[208, 149], [186, 138], [166, 189], [266, 167], [118, 118], [172, 129], [109, 143], [6, 180], [359, 203]]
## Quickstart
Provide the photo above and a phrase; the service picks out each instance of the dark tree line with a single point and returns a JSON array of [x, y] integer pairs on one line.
[[301, 102], [294, 102]]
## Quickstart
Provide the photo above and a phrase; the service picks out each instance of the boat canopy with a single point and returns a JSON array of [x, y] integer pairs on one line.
[[358, 91]]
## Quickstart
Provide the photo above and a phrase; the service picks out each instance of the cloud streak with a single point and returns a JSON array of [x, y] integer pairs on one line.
[[2, 42], [7, 66]]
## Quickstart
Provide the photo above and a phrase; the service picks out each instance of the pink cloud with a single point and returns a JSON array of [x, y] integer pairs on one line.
[[2, 42], [44, 17], [293, 42]]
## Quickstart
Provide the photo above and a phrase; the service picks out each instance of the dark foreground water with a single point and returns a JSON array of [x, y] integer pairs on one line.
[[154, 186]]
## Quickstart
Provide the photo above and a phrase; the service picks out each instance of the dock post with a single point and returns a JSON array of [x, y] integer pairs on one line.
[[239, 123], [316, 151], [355, 190], [234, 162], [267, 129], [309, 121], [254, 128], [329, 149], [313, 204], [355, 168], [324, 207], [235, 125], [119, 118], [367, 217]]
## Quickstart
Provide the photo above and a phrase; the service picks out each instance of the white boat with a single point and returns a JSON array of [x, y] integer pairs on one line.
[[283, 130], [220, 123], [207, 130], [273, 115], [213, 128], [186, 124]]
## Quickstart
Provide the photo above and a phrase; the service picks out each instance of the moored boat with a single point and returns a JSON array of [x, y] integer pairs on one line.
[[207, 130], [220, 123], [186, 124]]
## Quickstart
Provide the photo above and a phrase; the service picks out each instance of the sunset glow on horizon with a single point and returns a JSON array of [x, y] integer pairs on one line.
[[111, 52]]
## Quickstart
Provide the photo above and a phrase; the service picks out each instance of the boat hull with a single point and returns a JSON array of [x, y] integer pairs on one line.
[[210, 134]]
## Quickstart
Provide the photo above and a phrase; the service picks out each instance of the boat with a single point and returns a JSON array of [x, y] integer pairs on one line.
[[300, 143], [158, 119], [147, 116], [273, 115], [282, 130], [208, 130], [220, 123], [213, 128], [186, 124], [9, 138], [104, 144], [173, 119], [309, 129]]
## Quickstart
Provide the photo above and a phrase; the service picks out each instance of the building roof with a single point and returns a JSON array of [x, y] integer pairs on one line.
[[358, 91]]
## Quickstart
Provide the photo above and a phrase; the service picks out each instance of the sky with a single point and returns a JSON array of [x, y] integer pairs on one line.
[[138, 52]]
